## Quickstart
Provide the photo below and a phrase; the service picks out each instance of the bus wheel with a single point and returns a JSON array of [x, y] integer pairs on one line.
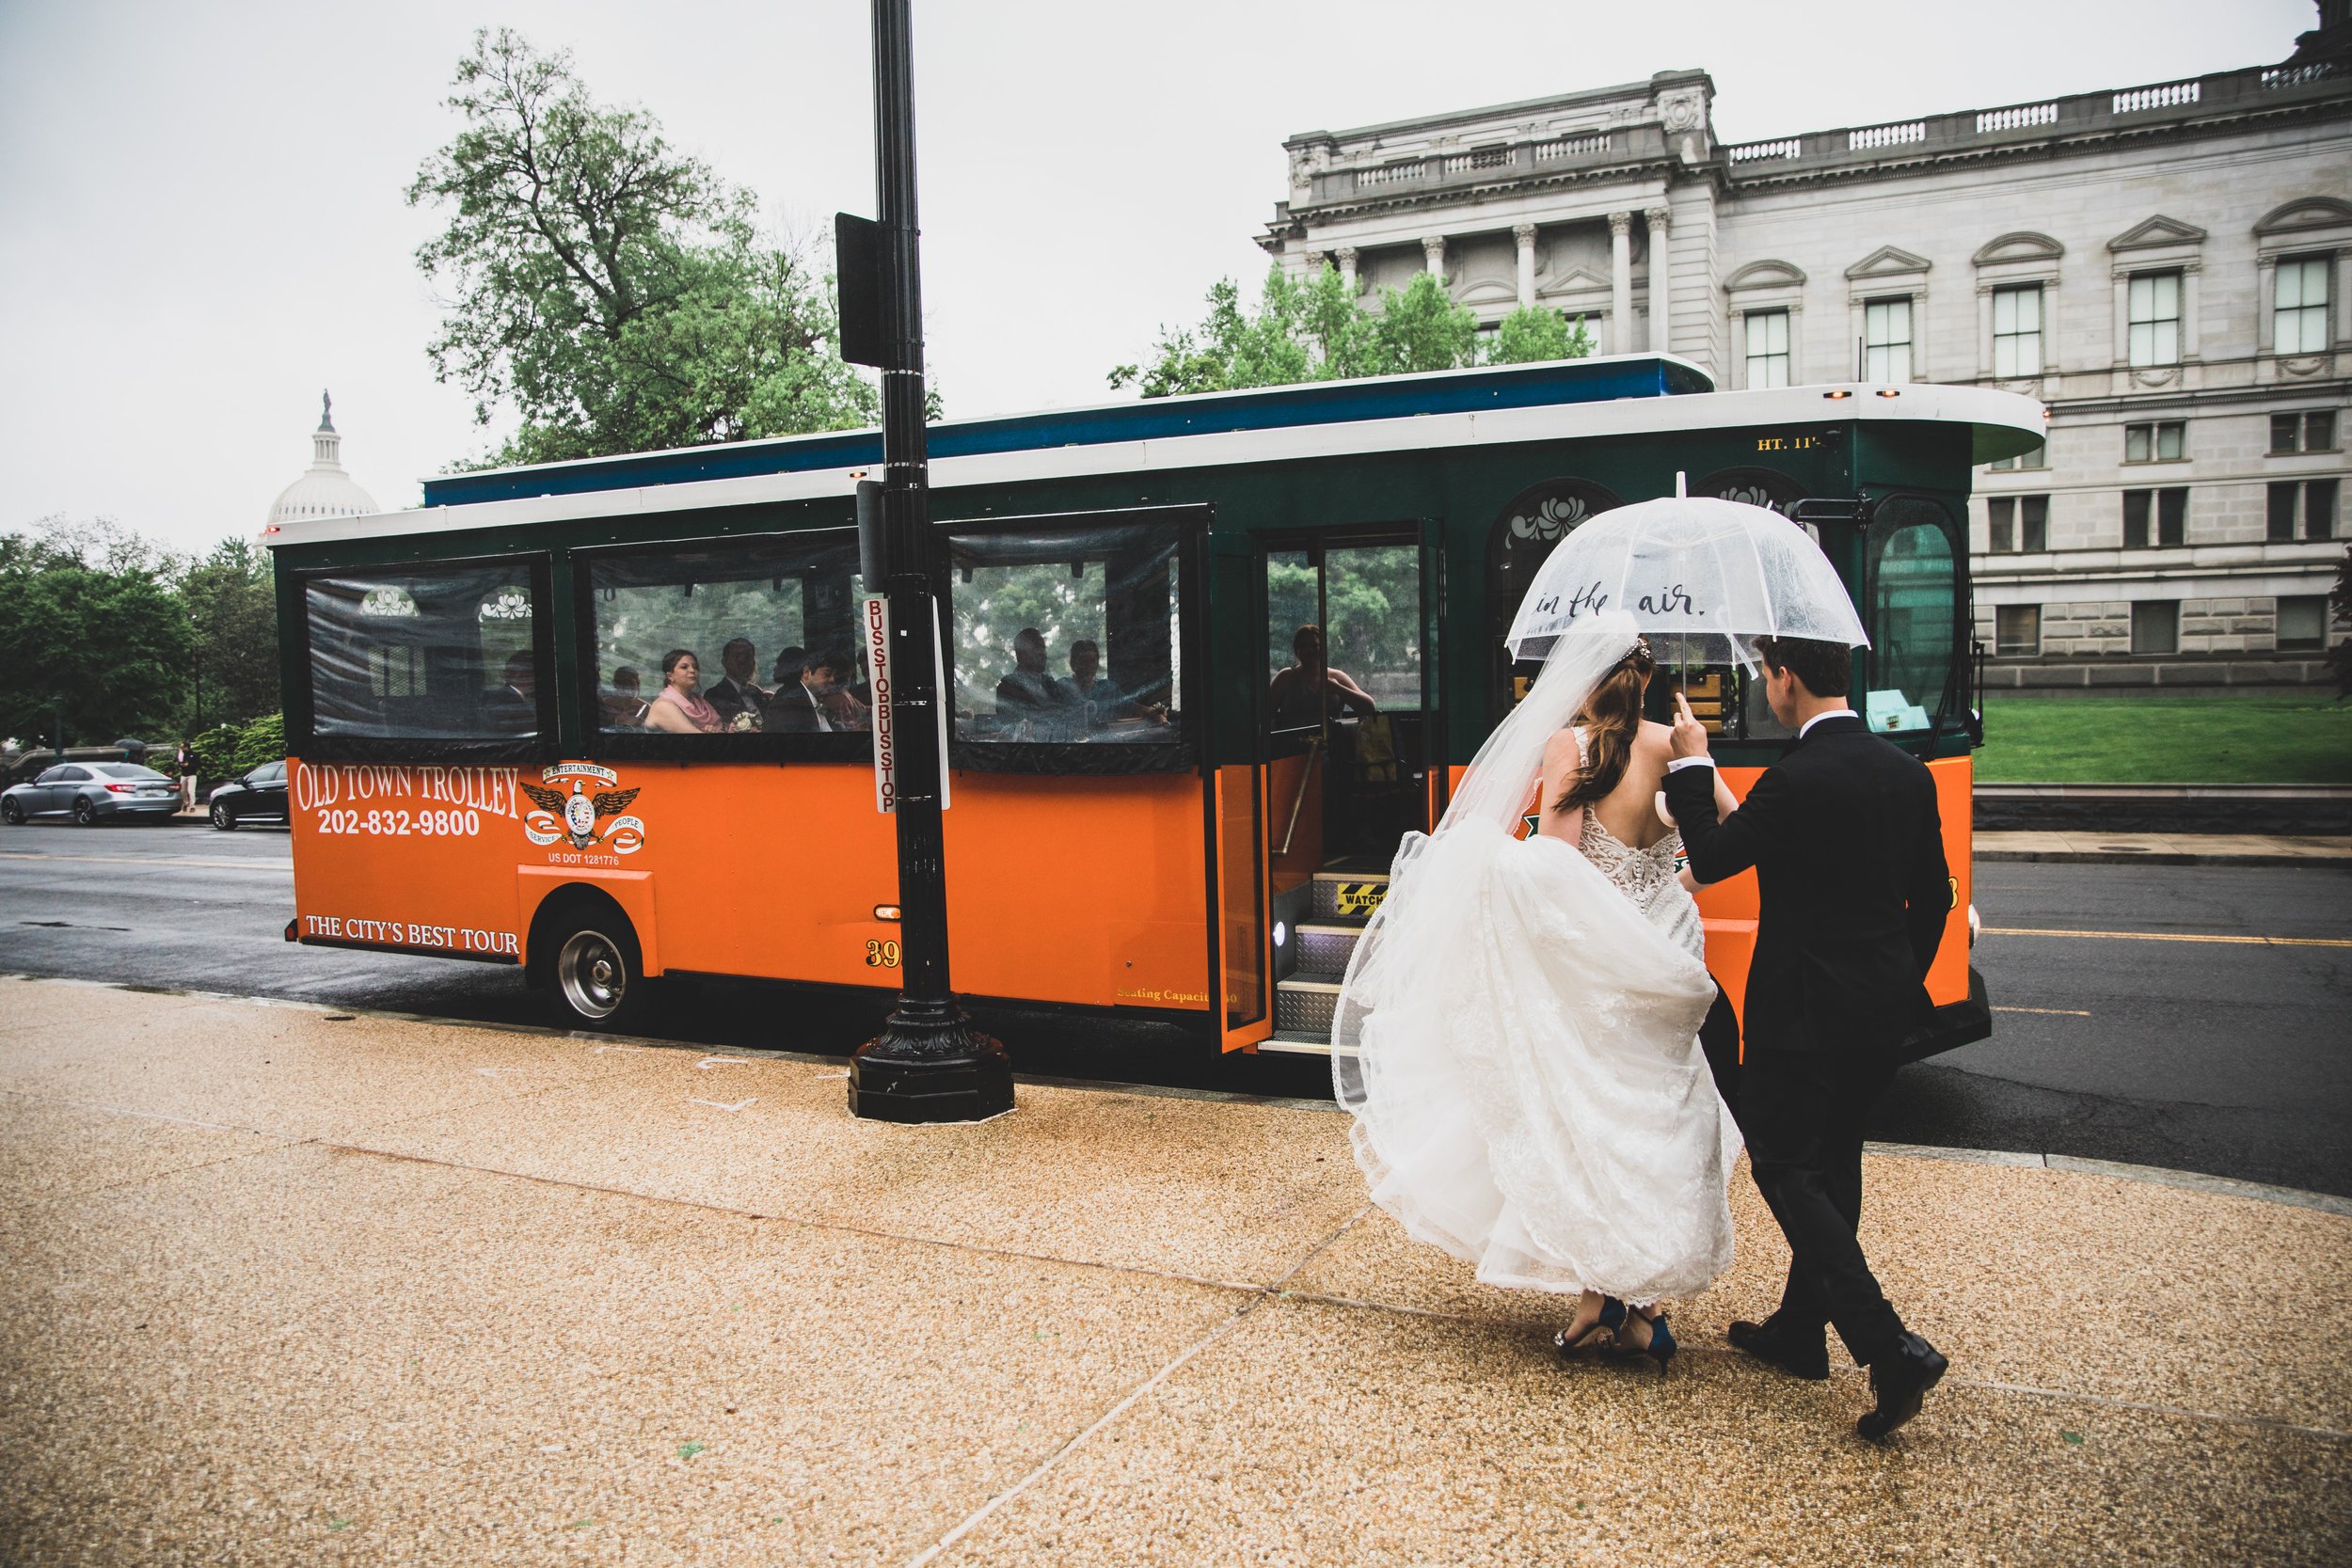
[[597, 978]]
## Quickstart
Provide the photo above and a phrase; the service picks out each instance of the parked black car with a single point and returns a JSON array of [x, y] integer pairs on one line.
[[258, 796]]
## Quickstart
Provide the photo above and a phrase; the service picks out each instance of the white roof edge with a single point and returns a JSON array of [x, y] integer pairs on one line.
[[1188, 399], [1971, 405]]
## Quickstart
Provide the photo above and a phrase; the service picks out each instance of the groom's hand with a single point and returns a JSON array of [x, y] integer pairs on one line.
[[1690, 736]]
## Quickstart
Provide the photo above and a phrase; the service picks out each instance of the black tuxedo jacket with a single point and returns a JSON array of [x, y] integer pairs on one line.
[[731, 699], [1848, 847], [792, 711]]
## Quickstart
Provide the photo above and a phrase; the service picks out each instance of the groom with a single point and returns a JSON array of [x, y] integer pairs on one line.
[[1849, 852]]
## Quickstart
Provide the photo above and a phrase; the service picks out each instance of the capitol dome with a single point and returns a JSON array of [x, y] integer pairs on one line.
[[324, 490]]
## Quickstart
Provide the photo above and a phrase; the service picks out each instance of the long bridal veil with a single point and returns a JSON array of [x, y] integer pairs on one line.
[[1518, 1045]]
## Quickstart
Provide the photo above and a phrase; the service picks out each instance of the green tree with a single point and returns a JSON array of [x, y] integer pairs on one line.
[[619, 295], [1531, 333], [1317, 330], [88, 618], [231, 608]]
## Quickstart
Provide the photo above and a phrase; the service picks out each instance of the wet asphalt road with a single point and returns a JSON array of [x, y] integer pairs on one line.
[[2232, 1058]]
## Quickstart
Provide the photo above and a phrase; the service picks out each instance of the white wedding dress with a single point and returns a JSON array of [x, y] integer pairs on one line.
[[1518, 1038]]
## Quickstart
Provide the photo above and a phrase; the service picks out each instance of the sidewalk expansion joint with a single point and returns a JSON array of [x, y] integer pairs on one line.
[[1258, 1296]]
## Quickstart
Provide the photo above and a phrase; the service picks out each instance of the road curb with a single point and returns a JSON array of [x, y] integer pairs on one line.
[[2197, 1181], [2153, 857], [2213, 1186]]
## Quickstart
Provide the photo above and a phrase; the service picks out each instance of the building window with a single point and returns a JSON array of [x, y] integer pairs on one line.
[[2155, 318], [2303, 620], [2298, 316], [2313, 430], [1767, 348], [2037, 458], [2019, 523], [2017, 330], [1887, 340], [2167, 509], [2017, 628], [2156, 626], [2163, 441], [2302, 509]]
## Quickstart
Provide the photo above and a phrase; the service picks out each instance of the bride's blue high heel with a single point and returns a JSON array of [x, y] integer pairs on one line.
[[1661, 1346], [1610, 1320]]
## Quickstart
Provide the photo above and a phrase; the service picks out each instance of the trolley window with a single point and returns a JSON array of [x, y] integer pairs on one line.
[[724, 648], [1068, 647], [1915, 595], [453, 655]]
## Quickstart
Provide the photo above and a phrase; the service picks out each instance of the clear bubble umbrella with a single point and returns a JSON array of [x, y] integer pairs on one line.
[[1702, 579]]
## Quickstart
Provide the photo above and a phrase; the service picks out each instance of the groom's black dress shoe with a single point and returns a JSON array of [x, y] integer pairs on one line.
[[1899, 1379], [1799, 1356]]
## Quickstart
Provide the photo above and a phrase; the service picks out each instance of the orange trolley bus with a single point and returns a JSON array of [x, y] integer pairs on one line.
[[1208, 657]]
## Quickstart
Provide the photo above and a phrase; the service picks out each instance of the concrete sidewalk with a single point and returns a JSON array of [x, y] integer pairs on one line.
[[280, 1286]]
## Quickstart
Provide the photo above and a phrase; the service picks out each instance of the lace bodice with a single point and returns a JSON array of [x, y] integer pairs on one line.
[[1645, 876]]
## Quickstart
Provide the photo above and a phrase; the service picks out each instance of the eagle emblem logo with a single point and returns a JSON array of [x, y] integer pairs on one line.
[[581, 815]]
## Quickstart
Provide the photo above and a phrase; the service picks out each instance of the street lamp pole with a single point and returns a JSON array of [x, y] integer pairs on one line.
[[928, 1064]]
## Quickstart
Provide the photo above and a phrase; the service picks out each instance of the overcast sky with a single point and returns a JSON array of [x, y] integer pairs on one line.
[[201, 222]]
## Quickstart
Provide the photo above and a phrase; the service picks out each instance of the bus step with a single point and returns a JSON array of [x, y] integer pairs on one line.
[[1303, 1003], [1300, 1045], [1324, 946], [1349, 894]]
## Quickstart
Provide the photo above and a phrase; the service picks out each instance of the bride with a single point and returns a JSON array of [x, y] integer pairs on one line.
[[1518, 1034]]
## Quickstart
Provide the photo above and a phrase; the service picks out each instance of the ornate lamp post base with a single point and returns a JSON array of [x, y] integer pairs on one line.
[[930, 1069]]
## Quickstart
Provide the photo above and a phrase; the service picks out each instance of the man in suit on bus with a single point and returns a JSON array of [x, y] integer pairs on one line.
[[1848, 847], [736, 693]]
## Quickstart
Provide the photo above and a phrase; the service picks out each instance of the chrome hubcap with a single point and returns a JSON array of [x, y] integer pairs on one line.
[[590, 971]]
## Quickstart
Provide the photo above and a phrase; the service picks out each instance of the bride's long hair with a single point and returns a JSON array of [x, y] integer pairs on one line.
[[1613, 714]]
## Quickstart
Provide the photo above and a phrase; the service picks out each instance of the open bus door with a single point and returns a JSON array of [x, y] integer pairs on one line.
[[1348, 731], [1242, 948]]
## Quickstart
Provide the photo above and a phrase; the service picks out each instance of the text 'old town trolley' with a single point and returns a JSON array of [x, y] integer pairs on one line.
[[1209, 658]]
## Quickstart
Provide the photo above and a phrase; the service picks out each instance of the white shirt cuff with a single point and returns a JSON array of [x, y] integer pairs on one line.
[[1690, 762]]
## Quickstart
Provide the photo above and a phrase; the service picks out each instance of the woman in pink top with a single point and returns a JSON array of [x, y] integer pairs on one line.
[[678, 707]]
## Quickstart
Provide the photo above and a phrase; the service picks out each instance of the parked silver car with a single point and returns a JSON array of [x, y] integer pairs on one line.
[[92, 792]]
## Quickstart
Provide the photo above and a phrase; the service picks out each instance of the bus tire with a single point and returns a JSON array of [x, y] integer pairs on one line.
[[595, 973]]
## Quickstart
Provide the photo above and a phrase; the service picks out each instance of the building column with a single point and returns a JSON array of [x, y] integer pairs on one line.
[[1525, 234], [1661, 302], [1346, 254], [1433, 255], [1621, 282]]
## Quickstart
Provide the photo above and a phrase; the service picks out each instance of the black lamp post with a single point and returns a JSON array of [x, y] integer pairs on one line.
[[928, 1064]]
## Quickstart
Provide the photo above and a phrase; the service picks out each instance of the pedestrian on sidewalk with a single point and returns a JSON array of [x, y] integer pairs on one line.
[[184, 769]]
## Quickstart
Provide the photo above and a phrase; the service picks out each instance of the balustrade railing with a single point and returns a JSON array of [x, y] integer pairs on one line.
[[1477, 158], [1571, 147], [2165, 95], [1886, 136], [2017, 118], [2076, 113]]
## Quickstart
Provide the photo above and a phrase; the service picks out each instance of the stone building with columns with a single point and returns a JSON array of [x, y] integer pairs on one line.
[[2165, 266]]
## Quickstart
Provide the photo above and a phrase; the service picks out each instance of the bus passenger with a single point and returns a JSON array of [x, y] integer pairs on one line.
[[736, 695], [1026, 692], [1294, 691], [514, 707], [1094, 698], [623, 705], [678, 707], [819, 702], [787, 671]]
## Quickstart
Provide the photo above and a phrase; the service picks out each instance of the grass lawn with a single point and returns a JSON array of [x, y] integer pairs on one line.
[[2152, 740]]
